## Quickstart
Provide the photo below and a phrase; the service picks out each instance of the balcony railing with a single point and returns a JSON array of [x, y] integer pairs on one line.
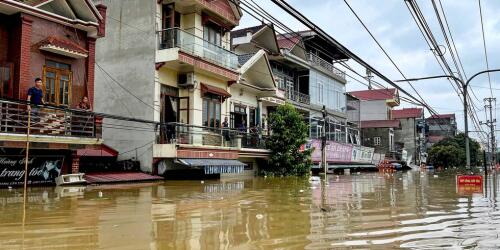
[[320, 62], [297, 97], [178, 133], [196, 46], [49, 121]]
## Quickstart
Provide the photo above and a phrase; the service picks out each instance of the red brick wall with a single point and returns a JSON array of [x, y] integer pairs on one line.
[[23, 67], [41, 29], [91, 70]]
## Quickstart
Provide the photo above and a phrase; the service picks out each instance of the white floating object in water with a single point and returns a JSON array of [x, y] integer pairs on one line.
[[435, 176], [301, 191], [99, 194], [202, 182], [313, 187], [10, 187], [314, 179], [259, 216], [400, 179]]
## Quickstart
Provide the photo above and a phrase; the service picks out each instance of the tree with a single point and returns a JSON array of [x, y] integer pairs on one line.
[[451, 152], [288, 133]]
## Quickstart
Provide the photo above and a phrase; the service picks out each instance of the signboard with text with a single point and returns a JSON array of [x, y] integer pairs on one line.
[[335, 152], [469, 184], [362, 154], [41, 169]]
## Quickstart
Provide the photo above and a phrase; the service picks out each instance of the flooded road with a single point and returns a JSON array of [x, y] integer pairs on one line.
[[369, 211]]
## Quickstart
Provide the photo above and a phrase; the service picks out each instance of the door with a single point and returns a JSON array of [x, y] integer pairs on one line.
[[171, 20], [6, 80], [57, 86]]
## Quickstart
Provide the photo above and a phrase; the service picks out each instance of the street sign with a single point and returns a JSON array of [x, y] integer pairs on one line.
[[469, 184]]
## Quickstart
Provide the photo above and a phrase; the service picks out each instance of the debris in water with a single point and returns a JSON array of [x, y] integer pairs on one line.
[[202, 182], [435, 176], [301, 191], [99, 194], [259, 216]]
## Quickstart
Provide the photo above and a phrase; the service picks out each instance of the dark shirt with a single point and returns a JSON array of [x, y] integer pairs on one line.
[[36, 95]]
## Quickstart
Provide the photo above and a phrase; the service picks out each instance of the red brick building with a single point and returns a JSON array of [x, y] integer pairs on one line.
[[53, 40]]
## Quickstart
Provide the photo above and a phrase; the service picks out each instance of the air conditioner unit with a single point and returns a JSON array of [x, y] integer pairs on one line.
[[186, 80]]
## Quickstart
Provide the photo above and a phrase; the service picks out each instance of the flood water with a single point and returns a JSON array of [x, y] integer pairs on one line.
[[415, 210]]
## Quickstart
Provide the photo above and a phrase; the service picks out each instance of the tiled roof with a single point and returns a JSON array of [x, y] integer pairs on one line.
[[243, 32], [407, 113], [380, 124], [64, 44], [374, 94], [288, 41], [442, 116]]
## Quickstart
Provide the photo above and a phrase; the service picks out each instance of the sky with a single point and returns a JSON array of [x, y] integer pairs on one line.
[[392, 25]]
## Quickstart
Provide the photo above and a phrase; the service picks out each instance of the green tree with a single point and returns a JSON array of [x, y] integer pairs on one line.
[[451, 152], [288, 133]]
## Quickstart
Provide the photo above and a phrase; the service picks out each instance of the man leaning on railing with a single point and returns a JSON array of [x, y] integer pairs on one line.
[[35, 97]]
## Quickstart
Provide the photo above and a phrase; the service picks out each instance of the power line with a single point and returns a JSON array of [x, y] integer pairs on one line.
[[484, 45]]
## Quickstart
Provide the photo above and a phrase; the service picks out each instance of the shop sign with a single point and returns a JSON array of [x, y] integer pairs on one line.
[[469, 184], [41, 169]]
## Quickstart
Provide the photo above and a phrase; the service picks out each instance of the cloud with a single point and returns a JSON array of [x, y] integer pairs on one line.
[[392, 25]]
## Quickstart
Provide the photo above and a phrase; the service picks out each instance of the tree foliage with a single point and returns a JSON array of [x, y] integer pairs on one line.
[[288, 133], [450, 152]]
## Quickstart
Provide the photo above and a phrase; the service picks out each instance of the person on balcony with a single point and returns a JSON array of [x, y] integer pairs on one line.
[[225, 132], [242, 128], [85, 104], [35, 97]]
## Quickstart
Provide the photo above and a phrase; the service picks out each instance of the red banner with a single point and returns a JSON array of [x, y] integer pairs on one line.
[[469, 184]]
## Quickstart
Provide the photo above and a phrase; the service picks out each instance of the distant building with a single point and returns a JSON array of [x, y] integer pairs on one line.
[[439, 127], [408, 136], [376, 123]]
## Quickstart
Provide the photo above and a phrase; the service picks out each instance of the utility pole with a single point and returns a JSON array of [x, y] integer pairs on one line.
[[491, 123], [369, 77], [323, 142]]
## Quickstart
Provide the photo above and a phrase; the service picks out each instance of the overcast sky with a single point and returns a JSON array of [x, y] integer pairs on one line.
[[391, 23]]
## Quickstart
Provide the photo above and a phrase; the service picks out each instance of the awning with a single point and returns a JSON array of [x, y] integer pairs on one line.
[[113, 177], [215, 166], [214, 90], [63, 47], [102, 151]]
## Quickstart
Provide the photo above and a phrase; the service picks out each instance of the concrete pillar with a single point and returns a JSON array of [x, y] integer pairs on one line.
[[22, 74]]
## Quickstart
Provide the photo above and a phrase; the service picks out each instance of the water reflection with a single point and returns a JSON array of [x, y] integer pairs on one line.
[[402, 210]]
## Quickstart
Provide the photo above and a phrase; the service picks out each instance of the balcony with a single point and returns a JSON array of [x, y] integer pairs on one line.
[[297, 97], [196, 46], [51, 123], [325, 65], [183, 134]]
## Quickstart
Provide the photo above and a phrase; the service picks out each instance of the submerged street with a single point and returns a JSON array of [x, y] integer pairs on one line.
[[414, 209]]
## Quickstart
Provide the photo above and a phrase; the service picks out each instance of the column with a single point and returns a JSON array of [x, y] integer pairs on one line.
[[23, 71], [75, 164]]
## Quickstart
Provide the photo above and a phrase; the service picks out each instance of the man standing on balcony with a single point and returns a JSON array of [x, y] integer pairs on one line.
[[35, 96]]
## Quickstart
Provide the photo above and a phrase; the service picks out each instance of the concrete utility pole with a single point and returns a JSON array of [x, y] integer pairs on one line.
[[323, 142], [491, 123]]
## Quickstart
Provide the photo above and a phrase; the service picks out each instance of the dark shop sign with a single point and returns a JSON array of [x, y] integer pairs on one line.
[[41, 169]]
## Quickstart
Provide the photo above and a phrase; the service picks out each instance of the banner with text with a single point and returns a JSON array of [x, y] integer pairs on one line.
[[41, 169], [335, 152]]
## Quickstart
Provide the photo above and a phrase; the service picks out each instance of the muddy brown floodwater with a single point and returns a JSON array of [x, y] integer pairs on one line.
[[415, 210]]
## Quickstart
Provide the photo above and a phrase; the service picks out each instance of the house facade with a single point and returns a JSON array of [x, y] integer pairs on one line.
[[376, 123], [439, 127], [54, 41], [410, 135]]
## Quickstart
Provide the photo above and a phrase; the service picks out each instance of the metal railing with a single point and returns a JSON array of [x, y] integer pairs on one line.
[[47, 121], [179, 133], [196, 46], [320, 62], [297, 96]]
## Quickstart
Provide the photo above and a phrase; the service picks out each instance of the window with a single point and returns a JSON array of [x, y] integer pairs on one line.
[[376, 141], [6, 80], [57, 79], [211, 111], [320, 92], [212, 33], [253, 118]]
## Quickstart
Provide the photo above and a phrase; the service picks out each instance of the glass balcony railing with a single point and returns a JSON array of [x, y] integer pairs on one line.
[[196, 46]]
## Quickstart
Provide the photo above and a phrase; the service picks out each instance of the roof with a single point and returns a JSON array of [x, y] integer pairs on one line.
[[113, 177], [435, 139], [375, 94], [442, 116], [380, 124], [407, 113], [205, 88], [288, 41], [63, 44], [243, 32]]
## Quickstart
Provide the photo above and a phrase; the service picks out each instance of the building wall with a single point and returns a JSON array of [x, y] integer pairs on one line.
[[128, 55], [325, 90], [353, 111], [43, 29], [374, 110], [4, 37], [407, 135], [368, 135]]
